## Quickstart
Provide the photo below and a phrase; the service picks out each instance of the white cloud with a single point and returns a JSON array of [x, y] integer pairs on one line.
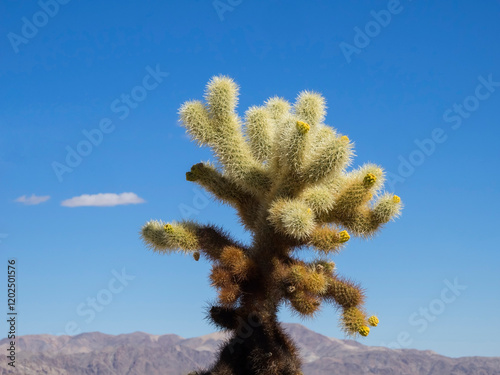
[[102, 200], [34, 199]]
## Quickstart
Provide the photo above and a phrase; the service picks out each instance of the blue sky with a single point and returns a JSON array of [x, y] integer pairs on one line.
[[415, 84]]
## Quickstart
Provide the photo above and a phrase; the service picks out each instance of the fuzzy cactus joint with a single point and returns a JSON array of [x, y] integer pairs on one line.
[[289, 177]]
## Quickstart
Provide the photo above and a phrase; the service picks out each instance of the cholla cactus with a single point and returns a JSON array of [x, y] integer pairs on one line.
[[285, 172]]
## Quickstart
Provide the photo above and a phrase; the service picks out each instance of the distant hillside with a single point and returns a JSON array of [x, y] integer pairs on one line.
[[144, 354]]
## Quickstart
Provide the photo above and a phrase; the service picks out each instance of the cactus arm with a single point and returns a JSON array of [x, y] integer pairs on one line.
[[214, 240], [216, 124], [320, 198], [344, 193], [310, 107], [260, 132], [296, 147], [291, 156], [278, 108], [306, 285], [280, 111], [328, 240], [350, 298], [187, 237], [229, 144], [367, 219], [195, 118], [293, 218], [329, 156], [226, 191], [303, 284], [170, 237], [358, 188], [343, 292]]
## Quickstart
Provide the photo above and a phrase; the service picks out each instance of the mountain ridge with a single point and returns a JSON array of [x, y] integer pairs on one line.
[[141, 353]]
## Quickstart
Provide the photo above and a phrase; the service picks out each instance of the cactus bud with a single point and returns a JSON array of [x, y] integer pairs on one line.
[[364, 331], [168, 228], [196, 255], [344, 236], [303, 127], [369, 180], [373, 321]]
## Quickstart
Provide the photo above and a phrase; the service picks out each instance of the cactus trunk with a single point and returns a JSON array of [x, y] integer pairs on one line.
[[257, 346]]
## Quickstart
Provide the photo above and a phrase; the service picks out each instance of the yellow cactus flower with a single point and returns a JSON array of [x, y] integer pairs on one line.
[[344, 138], [344, 236], [364, 331], [373, 321], [168, 228], [369, 179], [396, 199], [303, 127], [196, 255]]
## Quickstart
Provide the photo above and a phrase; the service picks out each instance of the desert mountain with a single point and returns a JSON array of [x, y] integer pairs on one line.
[[145, 354]]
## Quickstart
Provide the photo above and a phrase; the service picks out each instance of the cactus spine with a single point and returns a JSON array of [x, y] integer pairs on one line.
[[286, 174]]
